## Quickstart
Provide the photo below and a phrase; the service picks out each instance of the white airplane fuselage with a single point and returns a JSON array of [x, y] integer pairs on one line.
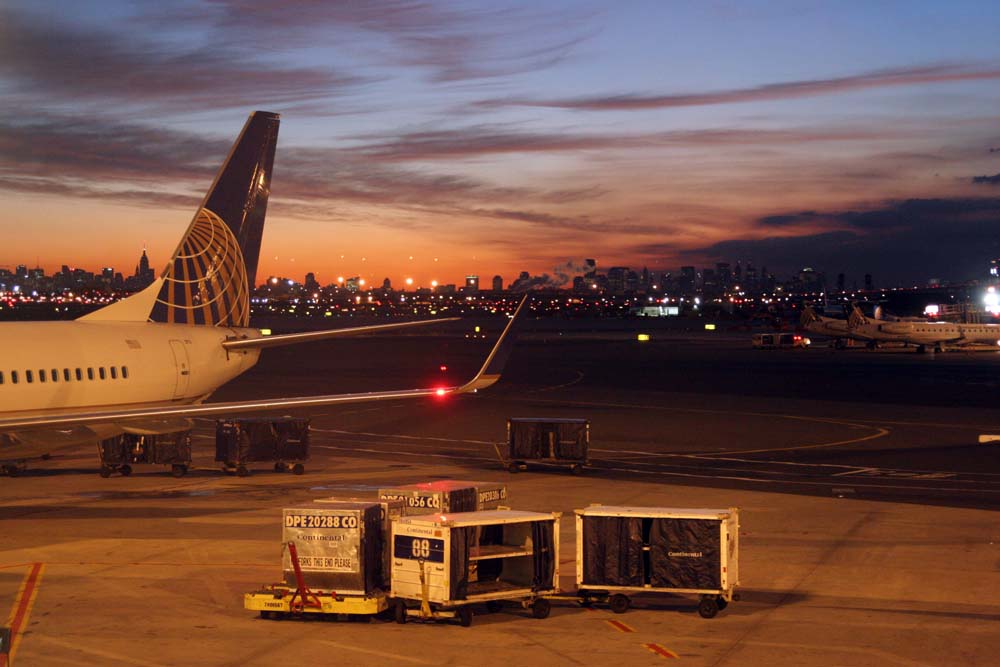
[[65, 366]]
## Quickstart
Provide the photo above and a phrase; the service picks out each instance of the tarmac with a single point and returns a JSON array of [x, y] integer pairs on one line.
[[869, 530]]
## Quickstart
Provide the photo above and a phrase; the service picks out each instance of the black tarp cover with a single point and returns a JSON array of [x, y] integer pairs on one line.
[[544, 561], [548, 439], [684, 553], [462, 500], [462, 542], [612, 551]]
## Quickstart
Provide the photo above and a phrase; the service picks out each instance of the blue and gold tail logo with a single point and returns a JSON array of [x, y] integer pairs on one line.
[[206, 283]]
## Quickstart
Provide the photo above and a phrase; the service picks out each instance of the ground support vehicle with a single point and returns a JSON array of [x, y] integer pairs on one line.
[[549, 440], [278, 601], [447, 496], [444, 564], [120, 453], [283, 440], [332, 563], [629, 550]]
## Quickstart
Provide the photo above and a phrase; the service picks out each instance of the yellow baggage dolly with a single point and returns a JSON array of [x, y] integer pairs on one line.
[[279, 601]]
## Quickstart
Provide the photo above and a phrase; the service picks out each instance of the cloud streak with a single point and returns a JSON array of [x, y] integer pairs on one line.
[[883, 78], [58, 61]]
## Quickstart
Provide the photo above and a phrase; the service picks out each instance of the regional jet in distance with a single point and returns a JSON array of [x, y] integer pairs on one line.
[[922, 334], [147, 363]]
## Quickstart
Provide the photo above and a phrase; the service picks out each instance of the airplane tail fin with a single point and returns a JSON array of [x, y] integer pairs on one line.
[[808, 316], [213, 270], [856, 318]]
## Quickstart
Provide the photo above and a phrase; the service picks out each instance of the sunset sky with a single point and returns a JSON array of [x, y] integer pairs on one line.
[[432, 140]]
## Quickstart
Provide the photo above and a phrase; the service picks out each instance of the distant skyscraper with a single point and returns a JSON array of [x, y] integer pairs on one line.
[[311, 284], [471, 284], [687, 281], [616, 279], [497, 283], [868, 282]]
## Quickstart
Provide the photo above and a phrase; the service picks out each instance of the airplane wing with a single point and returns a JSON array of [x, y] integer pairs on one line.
[[310, 336], [487, 376]]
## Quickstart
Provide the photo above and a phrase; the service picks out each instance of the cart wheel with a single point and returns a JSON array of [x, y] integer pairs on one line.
[[619, 603], [736, 597], [105, 471], [279, 467], [722, 602], [513, 467], [241, 471], [11, 471], [541, 608], [298, 469], [576, 469], [266, 615], [493, 606], [708, 608], [465, 616], [399, 612], [585, 601], [125, 470], [178, 470]]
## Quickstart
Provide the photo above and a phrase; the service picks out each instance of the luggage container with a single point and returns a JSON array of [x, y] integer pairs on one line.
[[447, 496], [442, 564], [120, 453], [389, 511], [284, 440], [550, 440], [623, 550]]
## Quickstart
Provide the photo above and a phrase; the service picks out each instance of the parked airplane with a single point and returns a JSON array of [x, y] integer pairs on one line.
[[147, 363], [825, 326], [937, 335]]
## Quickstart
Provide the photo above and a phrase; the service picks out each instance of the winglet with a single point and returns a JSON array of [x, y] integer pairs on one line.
[[489, 374]]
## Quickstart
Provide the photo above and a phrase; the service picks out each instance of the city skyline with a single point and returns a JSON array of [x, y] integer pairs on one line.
[[434, 140]]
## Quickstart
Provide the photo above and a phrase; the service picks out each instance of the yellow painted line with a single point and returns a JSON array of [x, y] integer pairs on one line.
[[620, 627], [21, 611], [881, 432], [661, 651]]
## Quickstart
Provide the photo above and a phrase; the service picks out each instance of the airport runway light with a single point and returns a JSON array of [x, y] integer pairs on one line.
[[642, 338], [709, 327]]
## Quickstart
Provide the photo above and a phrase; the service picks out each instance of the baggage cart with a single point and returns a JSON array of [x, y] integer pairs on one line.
[[447, 496], [443, 564], [548, 440], [120, 453], [278, 601], [622, 550], [283, 440]]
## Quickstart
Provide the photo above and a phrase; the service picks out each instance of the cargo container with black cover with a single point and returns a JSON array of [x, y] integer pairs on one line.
[[121, 452], [340, 549], [443, 564], [552, 440], [649, 549], [447, 496], [283, 440]]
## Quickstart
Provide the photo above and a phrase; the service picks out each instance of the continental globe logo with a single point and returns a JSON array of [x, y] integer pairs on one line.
[[206, 283]]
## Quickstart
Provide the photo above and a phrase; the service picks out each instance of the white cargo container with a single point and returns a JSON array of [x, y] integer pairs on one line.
[[339, 549], [445, 563], [448, 496], [624, 550]]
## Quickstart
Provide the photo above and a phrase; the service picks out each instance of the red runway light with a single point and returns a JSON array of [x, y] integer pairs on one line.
[[443, 368]]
